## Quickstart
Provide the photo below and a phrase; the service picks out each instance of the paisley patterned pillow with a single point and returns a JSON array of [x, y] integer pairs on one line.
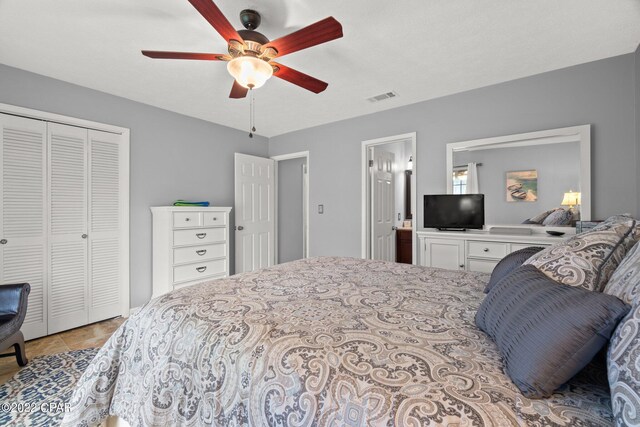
[[558, 217], [625, 281], [617, 218], [623, 370], [589, 259], [624, 350], [540, 217]]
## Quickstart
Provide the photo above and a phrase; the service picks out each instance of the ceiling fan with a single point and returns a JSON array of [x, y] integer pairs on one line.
[[250, 54]]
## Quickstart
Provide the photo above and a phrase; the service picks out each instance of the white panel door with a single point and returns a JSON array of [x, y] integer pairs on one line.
[[68, 290], [254, 211], [382, 206], [23, 221], [105, 226]]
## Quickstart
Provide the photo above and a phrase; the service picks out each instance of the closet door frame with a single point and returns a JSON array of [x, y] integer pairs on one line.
[[125, 167]]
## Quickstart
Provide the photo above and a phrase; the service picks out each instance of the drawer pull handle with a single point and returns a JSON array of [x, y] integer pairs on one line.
[[3, 242], [201, 269], [215, 219], [201, 252], [461, 266], [201, 235], [187, 219], [486, 249]]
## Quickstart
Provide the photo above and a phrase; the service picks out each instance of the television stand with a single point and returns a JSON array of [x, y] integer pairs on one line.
[[473, 251]]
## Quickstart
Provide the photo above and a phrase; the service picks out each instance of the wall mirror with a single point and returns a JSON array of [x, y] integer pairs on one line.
[[527, 176]]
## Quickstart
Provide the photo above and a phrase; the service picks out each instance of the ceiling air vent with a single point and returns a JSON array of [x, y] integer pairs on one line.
[[382, 97]]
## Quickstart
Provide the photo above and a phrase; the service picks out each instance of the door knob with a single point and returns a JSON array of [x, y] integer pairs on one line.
[[394, 227], [240, 228], [84, 236], [3, 242]]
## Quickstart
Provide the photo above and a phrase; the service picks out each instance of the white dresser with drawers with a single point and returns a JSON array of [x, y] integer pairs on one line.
[[474, 250], [190, 245]]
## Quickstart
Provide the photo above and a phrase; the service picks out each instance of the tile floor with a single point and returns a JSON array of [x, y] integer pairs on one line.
[[94, 335]]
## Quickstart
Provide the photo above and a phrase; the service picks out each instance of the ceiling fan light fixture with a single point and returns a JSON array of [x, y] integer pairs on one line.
[[249, 71]]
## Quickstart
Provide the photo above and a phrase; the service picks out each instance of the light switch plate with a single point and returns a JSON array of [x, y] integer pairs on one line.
[[320, 209]]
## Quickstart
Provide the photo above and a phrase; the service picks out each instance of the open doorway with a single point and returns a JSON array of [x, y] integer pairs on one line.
[[388, 198], [292, 206]]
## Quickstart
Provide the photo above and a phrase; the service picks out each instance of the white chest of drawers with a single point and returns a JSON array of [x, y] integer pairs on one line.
[[190, 245], [473, 250]]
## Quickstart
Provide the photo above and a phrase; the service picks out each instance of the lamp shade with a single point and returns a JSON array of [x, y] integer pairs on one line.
[[571, 198], [249, 71]]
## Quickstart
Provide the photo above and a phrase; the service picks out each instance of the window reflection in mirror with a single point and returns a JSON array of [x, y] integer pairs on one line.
[[460, 180]]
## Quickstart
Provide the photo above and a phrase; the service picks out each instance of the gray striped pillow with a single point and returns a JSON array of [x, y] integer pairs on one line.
[[546, 332]]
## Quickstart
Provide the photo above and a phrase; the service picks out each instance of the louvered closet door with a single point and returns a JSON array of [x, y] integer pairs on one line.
[[105, 225], [22, 214], [68, 289]]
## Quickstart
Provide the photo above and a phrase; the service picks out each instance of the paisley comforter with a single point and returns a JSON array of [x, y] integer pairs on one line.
[[320, 342]]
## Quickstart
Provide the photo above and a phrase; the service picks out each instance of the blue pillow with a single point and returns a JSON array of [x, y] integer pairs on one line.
[[509, 263], [546, 332]]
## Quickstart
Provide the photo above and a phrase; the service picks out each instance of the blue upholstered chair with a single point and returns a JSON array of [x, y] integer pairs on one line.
[[13, 308]]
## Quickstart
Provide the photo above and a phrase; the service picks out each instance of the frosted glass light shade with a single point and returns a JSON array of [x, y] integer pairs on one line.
[[571, 198], [250, 72]]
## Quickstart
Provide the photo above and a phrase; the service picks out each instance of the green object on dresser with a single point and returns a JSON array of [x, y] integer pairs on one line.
[[186, 203]]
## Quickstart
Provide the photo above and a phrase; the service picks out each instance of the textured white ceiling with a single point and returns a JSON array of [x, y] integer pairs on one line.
[[421, 49]]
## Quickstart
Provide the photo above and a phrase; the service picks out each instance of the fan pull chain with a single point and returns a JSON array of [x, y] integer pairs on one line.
[[252, 113]]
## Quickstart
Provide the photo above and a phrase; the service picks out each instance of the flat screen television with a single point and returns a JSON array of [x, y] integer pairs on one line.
[[454, 211]]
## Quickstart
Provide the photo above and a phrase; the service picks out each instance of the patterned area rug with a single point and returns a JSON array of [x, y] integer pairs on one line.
[[37, 395]]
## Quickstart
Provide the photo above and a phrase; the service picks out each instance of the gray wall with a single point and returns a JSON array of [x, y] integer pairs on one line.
[[558, 167], [172, 156], [290, 211], [598, 93]]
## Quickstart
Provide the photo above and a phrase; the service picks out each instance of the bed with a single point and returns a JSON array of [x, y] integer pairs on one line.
[[323, 341]]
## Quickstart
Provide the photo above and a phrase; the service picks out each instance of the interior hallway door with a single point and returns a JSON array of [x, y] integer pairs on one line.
[[382, 206], [254, 212]]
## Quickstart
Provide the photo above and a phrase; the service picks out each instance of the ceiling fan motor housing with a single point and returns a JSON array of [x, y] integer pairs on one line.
[[253, 40], [253, 36], [250, 19]]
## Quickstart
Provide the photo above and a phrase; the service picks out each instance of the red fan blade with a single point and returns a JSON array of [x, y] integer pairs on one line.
[[214, 16], [298, 78], [159, 54], [321, 32], [238, 91]]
